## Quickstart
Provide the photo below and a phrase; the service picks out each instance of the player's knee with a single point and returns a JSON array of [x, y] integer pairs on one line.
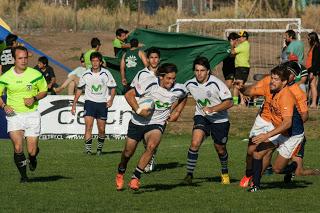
[[276, 169], [195, 145], [257, 155], [151, 147]]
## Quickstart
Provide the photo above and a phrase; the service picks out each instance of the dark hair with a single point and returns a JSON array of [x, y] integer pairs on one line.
[[43, 60], [166, 68], [119, 31], [134, 42], [282, 71], [96, 55], [10, 39], [233, 36], [200, 60], [95, 42], [126, 31], [313, 39], [153, 50], [291, 34], [81, 57], [14, 50]]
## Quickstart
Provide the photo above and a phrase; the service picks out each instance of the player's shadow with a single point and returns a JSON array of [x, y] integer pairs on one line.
[[164, 187], [111, 152], [171, 165], [281, 185], [216, 179], [48, 178]]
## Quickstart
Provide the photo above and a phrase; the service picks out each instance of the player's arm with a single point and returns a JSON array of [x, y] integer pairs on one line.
[[112, 95], [285, 125], [0, 69], [131, 99], [3, 106], [304, 116], [143, 57], [177, 109], [224, 105], [42, 87], [75, 101], [123, 70]]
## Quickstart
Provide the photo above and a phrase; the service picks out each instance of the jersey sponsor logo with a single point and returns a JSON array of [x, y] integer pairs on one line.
[[204, 102], [131, 61], [96, 88], [160, 104]]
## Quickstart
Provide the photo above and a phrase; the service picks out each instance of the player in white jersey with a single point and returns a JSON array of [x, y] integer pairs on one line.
[[150, 125], [153, 57], [99, 87], [213, 98]]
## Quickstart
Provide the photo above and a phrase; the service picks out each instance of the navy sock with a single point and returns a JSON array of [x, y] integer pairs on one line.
[[191, 161], [289, 168], [137, 173], [249, 172], [88, 145], [100, 143], [257, 168], [224, 162]]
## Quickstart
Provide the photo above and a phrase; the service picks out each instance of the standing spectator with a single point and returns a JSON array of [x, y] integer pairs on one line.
[[95, 46], [132, 62], [313, 66], [6, 58], [48, 73], [228, 67], [242, 64], [25, 87], [119, 42], [295, 46], [73, 78]]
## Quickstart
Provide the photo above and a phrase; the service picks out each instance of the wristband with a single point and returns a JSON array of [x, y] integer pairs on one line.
[[138, 111]]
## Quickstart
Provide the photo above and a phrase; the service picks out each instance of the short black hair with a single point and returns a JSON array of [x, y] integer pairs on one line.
[[44, 60], [96, 55], [233, 36], [282, 71], [153, 50], [119, 31], [95, 42], [291, 34], [10, 39], [81, 57], [14, 50], [201, 60], [134, 42], [166, 68]]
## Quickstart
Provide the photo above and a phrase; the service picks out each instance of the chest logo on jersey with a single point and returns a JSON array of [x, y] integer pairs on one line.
[[209, 94], [96, 88], [29, 87], [131, 61], [160, 105], [204, 102]]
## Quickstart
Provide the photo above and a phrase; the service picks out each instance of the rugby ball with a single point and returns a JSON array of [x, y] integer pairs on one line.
[[146, 103]]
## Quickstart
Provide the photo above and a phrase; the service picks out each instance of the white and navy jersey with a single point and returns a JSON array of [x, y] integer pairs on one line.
[[211, 93], [162, 98], [141, 75], [97, 85]]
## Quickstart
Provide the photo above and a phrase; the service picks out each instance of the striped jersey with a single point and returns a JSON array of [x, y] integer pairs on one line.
[[97, 85], [208, 94], [149, 87]]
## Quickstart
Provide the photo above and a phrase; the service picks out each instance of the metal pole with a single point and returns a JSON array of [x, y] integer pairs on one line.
[[139, 11], [75, 26], [236, 8]]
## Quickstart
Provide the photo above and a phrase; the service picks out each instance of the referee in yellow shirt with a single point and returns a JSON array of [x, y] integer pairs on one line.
[[24, 86]]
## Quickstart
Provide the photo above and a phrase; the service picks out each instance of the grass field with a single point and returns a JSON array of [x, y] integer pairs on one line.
[[67, 180]]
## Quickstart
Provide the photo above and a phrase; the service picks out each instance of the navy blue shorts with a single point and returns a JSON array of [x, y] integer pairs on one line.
[[218, 131], [96, 110], [137, 132]]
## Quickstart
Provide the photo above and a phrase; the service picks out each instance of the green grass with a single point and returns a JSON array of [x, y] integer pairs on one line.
[[67, 180]]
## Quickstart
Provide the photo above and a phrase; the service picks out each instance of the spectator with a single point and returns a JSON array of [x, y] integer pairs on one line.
[[6, 59], [242, 64], [95, 46], [48, 73], [132, 62], [313, 66], [295, 46], [119, 42], [228, 67], [73, 78]]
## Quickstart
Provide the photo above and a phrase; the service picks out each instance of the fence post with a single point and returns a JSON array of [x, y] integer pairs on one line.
[[17, 4], [75, 26]]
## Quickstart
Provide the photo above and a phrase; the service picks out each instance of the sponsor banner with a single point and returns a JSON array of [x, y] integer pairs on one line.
[[57, 122], [77, 137]]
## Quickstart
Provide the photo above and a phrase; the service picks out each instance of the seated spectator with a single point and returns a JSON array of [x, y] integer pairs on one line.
[[6, 58], [73, 79], [48, 73]]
